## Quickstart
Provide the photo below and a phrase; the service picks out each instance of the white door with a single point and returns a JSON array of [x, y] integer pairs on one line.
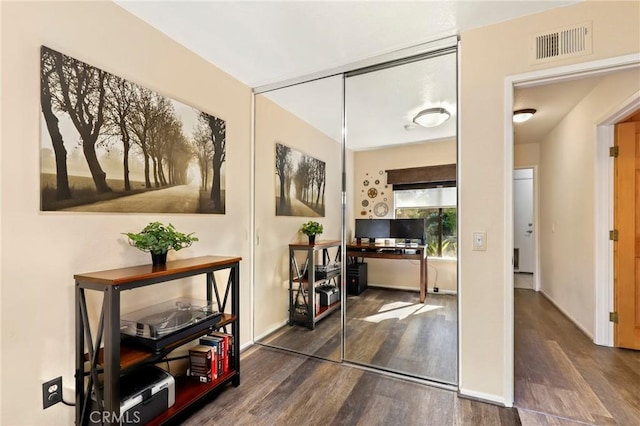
[[523, 226]]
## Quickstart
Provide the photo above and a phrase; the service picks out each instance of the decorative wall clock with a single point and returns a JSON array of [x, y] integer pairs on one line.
[[372, 193]]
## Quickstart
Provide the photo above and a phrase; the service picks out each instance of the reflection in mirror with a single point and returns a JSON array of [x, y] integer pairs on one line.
[[401, 309], [298, 133]]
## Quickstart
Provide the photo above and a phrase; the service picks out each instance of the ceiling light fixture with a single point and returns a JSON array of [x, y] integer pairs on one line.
[[431, 117], [522, 115]]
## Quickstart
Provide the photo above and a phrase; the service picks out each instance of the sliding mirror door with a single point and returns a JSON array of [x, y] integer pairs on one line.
[[404, 162], [298, 144]]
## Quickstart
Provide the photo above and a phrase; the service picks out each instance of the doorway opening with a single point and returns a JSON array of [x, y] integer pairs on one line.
[[525, 245], [557, 194]]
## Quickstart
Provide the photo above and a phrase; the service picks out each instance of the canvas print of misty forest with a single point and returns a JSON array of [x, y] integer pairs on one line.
[[300, 183], [110, 145]]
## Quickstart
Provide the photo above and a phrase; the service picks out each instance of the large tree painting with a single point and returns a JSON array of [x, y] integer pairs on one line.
[[110, 145], [300, 183]]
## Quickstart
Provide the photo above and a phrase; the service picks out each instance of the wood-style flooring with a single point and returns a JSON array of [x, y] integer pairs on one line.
[[560, 372], [561, 379], [283, 388], [393, 330], [389, 329]]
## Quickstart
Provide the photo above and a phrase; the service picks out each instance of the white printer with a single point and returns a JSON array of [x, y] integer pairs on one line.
[[144, 394]]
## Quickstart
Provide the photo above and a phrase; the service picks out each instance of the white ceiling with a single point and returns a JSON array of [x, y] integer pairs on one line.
[[268, 41], [265, 42], [552, 102]]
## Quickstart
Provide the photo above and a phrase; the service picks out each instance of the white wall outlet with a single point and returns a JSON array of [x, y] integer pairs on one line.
[[480, 241]]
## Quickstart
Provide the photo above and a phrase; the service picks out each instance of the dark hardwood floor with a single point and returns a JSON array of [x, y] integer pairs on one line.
[[283, 388], [561, 379], [393, 330], [388, 329], [560, 372]]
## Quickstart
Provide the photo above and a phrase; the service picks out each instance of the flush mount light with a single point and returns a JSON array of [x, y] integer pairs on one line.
[[522, 115], [431, 117]]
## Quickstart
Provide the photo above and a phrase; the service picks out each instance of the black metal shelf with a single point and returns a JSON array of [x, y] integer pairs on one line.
[[116, 358], [304, 281]]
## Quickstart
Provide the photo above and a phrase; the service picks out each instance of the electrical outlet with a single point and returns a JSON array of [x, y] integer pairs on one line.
[[51, 392]]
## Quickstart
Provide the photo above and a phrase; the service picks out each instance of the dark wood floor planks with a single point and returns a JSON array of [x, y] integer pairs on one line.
[[562, 379], [561, 372], [282, 388], [413, 338]]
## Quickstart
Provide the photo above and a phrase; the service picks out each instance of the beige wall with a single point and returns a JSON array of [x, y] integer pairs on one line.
[[42, 251], [567, 191], [367, 165], [275, 233], [488, 56], [526, 154]]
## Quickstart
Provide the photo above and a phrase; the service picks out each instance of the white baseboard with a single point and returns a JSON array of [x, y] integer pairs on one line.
[[566, 314], [429, 290], [246, 345], [269, 331], [484, 397]]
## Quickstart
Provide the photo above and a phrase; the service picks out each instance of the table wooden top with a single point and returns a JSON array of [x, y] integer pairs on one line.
[[318, 244], [144, 272]]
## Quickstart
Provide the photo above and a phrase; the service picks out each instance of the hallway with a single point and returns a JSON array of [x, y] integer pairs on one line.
[[561, 372]]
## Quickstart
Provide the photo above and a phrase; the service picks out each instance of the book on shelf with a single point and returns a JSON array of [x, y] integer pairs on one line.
[[227, 349], [217, 345], [203, 363]]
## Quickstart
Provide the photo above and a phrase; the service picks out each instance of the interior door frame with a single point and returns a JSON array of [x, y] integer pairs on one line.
[[604, 286], [536, 221], [530, 79]]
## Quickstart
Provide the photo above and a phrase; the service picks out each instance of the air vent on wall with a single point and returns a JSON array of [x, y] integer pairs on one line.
[[565, 42]]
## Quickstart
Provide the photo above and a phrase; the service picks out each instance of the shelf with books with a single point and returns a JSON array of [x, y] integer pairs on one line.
[[119, 357], [313, 285]]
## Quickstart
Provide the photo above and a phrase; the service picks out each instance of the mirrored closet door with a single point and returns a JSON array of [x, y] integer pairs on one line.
[[401, 307], [298, 146]]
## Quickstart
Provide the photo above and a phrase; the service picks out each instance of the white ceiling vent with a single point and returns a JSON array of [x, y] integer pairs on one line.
[[565, 42]]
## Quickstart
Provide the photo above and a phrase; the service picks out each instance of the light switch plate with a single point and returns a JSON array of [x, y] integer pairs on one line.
[[480, 241]]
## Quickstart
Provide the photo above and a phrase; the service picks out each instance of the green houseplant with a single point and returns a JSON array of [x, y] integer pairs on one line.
[[311, 229], [157, 239]]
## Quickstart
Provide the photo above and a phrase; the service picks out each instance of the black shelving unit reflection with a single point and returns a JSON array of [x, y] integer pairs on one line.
[[307, 278]]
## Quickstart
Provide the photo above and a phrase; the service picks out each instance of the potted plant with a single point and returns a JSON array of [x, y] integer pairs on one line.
[[311, 229], [157, 239]]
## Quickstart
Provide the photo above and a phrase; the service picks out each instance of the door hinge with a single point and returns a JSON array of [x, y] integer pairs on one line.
[[613, 235], [614, 151], [613, 317]]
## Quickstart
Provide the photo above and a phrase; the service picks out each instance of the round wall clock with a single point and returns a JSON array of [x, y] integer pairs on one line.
[[365, 183], [365, 203], [372, 193], [377, 181], [381, 209]]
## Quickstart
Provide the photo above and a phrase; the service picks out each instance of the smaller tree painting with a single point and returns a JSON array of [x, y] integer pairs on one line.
[[300, 183]]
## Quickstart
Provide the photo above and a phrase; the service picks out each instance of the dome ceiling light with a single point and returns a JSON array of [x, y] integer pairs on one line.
[[431, 117], [522, 115]]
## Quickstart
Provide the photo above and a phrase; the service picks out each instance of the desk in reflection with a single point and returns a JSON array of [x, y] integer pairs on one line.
[[399, 252]]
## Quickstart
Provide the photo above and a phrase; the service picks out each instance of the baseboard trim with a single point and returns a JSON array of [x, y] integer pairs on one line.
[[269, 331], [416, 290], [482, 397], [246, 346], [566, 314]]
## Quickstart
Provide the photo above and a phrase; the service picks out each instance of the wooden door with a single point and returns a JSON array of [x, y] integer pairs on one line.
[[627, 249]]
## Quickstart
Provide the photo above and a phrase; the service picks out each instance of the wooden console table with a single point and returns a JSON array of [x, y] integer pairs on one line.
[[394, 252], [116, 358]]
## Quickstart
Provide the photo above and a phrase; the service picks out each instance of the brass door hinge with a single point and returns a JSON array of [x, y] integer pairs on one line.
[[614, 151], [613, 317], [613, 235]]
